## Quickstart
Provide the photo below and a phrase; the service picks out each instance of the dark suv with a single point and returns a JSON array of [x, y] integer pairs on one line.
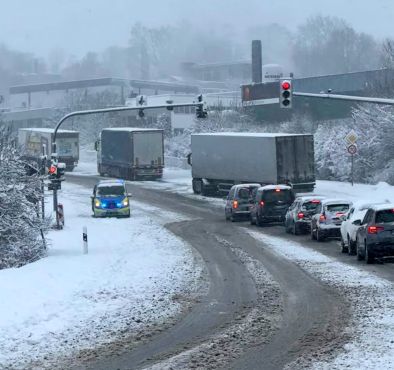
[[375, 236], [298, 216], [239, 200], [270, 204]]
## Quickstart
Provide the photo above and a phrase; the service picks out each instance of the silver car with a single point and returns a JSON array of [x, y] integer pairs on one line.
[[239, 200], [326, 223]]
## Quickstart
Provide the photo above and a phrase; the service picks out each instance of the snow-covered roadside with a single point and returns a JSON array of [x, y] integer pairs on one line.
[[135, 275], [371, 303]]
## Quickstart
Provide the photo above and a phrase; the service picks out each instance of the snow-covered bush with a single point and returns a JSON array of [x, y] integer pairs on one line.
[[21, 228]]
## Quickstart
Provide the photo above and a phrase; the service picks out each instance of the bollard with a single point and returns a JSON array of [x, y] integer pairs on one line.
[[85, 240], [60, 212]]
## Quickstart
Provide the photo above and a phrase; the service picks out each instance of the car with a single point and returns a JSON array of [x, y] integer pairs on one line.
[[349, 229], [270, 204], [110, 198], [326, 222], [375, 234], [298, 216], [238, 201]]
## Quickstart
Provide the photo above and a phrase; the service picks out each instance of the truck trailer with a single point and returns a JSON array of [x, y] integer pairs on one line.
[[131, 153], [34, 142], [221, 160]]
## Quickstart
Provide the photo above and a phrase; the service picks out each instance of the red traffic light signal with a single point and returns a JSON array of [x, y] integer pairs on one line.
[[286, 85], [52, 170]]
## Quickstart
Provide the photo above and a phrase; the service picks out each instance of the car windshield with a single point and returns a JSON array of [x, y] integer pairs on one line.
[[277, 195], [337, 207], [385, 216], [114, 190]]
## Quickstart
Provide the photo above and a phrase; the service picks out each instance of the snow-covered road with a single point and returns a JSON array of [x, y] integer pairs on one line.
[[69, 303]]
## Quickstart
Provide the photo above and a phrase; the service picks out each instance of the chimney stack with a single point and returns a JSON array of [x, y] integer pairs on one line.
[[257, 64]]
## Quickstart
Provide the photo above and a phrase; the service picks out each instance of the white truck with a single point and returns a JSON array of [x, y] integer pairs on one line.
[[34, 142], [220, 160], [131, 153]]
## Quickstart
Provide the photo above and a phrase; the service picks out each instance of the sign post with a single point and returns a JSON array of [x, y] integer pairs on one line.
[[351, 139]]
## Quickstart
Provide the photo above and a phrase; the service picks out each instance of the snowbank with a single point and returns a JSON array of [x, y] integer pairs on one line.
[[69, 302], [371, 299]]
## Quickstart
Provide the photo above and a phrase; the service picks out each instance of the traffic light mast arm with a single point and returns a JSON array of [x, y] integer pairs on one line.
[[363, 99], [115, 109]]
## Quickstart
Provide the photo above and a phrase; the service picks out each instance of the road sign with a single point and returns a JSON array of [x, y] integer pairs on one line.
[[260, 91], [351, 137], [352, 149]]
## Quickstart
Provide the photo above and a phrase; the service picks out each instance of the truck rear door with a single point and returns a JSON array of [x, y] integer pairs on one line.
[[148, 149], [295, 159]]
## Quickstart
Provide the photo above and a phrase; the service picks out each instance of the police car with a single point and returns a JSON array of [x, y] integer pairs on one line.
[[110, 198]]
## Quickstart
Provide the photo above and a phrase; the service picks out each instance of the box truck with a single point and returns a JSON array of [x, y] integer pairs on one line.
[[131, 153], [220, 160], [33, 142]]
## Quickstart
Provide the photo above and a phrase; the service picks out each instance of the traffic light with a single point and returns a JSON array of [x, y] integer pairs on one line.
[[61, 168], [201, 111], [52, 171], [285, 97]]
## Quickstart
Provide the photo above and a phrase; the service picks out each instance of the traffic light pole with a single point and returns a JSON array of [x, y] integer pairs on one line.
[[169, 107], [363, 99], [55, 204]]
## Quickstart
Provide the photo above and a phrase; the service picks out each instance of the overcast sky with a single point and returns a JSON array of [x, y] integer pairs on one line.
[[78, 26]]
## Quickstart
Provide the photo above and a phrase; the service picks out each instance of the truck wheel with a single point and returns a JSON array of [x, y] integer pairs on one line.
[[197, 186]]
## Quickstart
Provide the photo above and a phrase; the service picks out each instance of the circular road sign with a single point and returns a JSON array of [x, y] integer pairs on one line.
[[352, 149]]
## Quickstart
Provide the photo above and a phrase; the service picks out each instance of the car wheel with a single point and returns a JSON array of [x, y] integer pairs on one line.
[[344, 248], [351, 246], [369, 257], [233, 218], [295, 230], [258, 221], [226, 215], [252, 220], [319, 235], [360, 257], [313, 236]]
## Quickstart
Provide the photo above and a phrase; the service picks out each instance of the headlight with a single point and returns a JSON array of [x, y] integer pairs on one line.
[[125, 202], [97, 203]]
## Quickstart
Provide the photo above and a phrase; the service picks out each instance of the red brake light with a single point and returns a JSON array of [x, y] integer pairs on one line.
[[261, 203], [235, 204], [277, 190], [322, 218], [315, 201], [375, 229], [300, 215]]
